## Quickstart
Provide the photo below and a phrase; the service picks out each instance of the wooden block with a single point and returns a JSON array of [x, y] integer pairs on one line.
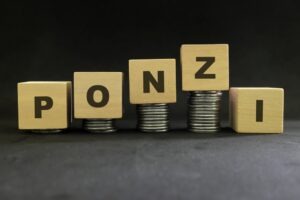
[[98, 95], [204, 67], [152, 81], [257, 110], [44, 105]]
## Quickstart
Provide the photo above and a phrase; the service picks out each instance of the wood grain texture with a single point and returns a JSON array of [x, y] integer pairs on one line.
[[190, 66], [58, 117], [136, 91], [243, 110], [113, 81]]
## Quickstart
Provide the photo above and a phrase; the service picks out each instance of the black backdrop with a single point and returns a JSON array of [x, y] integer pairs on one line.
[[49, 41]]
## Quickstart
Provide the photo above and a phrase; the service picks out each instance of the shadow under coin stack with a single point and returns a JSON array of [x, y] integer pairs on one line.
[[204, 111]]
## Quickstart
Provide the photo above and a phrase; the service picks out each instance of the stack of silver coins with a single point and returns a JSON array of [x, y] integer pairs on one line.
[[204, 111], [153, 117], [99, 125]]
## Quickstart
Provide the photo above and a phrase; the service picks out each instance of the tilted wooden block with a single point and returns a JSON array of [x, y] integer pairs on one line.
[[205, 67], [152, 81], [257, 110], [44, 105], [98, 95]]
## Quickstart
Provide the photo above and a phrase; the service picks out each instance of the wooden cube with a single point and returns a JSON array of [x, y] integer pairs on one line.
[[152, 81], [44, 105], [98, 95], [204, 67], [257, 110]]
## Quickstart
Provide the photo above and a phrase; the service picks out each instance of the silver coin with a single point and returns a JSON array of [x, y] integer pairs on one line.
[[99, 125], [191, 108], [204, 127], [162, 116], [203, 131], [208, 121], [203, 115], [204, 105], [155, 121], [204, 112], [155, 131]]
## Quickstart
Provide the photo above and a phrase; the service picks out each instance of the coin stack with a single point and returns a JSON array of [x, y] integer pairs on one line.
[[99, 125], [204, 111], [153, 117]]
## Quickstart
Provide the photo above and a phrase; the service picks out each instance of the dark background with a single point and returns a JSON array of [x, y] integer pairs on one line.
[[49, 41]]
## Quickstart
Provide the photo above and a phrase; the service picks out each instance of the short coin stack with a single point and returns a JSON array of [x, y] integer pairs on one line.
[[98, 100], [204, 111], [153, 117], [99, 125]]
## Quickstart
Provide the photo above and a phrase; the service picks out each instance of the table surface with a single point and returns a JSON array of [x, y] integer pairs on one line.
[[133, 165]]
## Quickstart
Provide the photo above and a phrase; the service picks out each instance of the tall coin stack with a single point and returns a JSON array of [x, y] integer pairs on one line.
[[153, 117], [204, 111], [99, 125], [205, 73]]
